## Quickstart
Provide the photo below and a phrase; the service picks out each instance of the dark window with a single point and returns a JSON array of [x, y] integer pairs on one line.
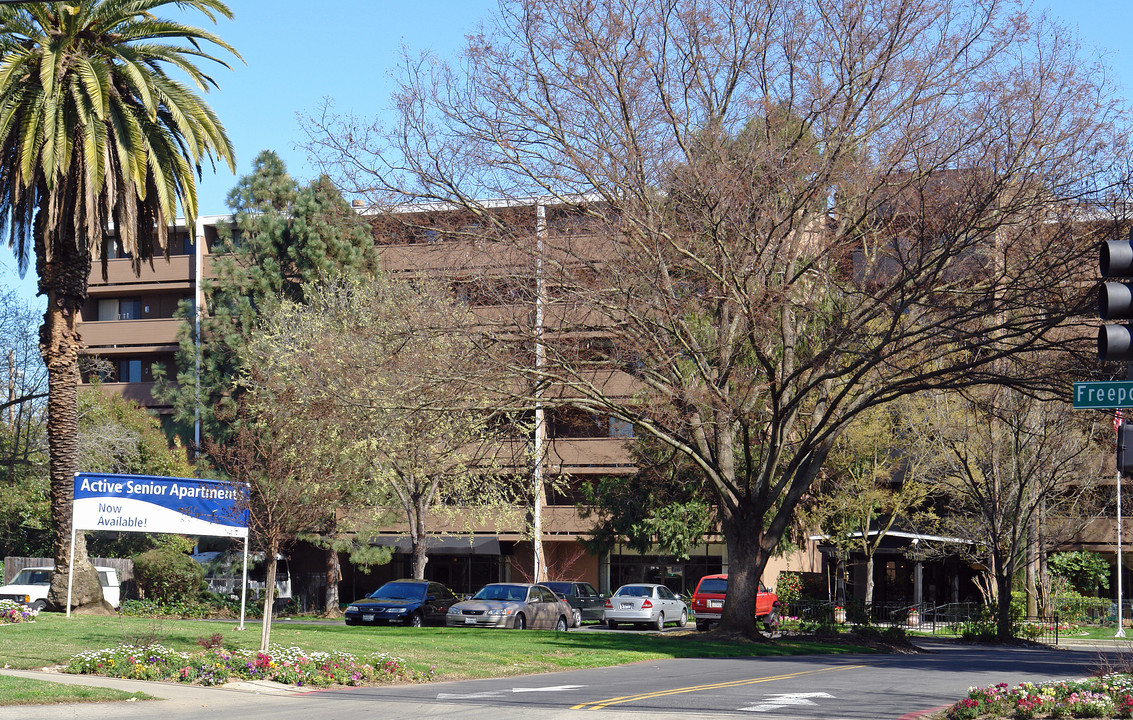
[[130, 371], [714, 586]]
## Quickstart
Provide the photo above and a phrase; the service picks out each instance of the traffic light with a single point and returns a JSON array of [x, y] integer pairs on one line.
[[1115, 301], [1125, 449]]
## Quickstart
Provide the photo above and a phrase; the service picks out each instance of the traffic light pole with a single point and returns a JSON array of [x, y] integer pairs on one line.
[[1120, 568], [1120, 565]]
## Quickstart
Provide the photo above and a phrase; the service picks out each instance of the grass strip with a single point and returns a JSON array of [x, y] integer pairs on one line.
[[454, 653], [25, 691]]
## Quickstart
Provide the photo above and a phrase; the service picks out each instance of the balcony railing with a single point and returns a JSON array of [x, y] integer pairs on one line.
[[145, 333]]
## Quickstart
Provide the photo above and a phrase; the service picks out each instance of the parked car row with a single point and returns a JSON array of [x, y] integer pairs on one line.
[[557, 605]]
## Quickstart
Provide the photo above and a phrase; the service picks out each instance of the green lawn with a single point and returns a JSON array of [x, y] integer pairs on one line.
[[21, 691], [455, 653]]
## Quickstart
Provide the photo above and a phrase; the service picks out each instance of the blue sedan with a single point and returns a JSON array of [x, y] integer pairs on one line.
[[403, 602]]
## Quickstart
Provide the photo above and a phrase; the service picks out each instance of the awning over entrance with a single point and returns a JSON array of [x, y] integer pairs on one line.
[[443, 544]]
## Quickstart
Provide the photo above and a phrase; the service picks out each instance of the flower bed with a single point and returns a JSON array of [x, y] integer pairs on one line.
[[13, 612], [216, 666], [1105, 697]]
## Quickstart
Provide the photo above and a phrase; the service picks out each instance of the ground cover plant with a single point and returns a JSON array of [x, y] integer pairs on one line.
[[1107, 696], [13, 612], [215, 666]]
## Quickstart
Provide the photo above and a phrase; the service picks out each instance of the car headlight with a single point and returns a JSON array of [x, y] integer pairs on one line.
[[351, 608], [454, 611], [397, 611]]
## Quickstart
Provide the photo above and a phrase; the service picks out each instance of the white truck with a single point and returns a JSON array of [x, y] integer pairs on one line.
[[30, 586]]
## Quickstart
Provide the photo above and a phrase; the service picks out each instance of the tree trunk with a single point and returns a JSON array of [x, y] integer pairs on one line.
[[269, 595], [1031, 569], [1003, 616], [746, 560], [868, 584], [333, 576], [417, 536], [59, 346]]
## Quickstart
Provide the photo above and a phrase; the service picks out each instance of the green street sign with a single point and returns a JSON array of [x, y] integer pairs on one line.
[[1089, 395]]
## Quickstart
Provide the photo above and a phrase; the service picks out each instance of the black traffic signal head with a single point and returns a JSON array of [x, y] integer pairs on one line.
[[1125, 449], [1115, 301]]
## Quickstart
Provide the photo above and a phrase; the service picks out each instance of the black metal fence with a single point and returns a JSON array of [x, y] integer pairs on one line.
[[974, 621]]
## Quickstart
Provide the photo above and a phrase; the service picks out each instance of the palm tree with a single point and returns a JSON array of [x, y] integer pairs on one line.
[[94, 133]]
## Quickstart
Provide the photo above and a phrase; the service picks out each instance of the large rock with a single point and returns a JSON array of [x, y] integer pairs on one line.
[[100, 607]]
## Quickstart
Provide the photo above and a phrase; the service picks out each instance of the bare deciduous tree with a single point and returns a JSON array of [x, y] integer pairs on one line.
[[776, 214], [1003, 464]]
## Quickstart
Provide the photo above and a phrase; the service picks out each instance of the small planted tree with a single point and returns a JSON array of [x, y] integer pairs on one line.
[[392, 367]]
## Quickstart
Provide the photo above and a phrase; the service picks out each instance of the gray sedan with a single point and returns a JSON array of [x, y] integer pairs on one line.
[[654, 605], [512, 605]]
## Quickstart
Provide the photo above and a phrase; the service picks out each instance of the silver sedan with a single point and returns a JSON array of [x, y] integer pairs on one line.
[[512, 605], [642, 603]]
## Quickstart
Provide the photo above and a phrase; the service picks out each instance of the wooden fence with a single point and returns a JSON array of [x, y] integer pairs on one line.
[[13, 565]]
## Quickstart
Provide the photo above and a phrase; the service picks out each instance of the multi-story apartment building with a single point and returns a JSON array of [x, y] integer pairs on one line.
[[129, 322]]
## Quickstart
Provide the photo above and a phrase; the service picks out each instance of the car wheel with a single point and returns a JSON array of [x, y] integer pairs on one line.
[[660, 623], [771, 621], [520, 622], [38, 605], [612, 624], [415, 620], [703, 626], [684, 619], [576, 617], [561, 625]]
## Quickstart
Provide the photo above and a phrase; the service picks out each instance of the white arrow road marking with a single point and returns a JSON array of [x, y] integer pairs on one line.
[[468, 696], [774, 702], [496, 693]]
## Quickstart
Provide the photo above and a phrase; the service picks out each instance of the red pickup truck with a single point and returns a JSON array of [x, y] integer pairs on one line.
[[708, 603]]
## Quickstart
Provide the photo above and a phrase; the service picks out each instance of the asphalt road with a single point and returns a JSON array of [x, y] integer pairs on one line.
[[848, 688]]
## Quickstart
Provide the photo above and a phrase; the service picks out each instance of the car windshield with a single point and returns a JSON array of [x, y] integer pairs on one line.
[[33, 577], [713, 586], [562, 588], [635, 591], [399, 591], [514, 593]]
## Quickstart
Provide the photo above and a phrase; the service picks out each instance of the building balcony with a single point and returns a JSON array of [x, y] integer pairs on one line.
[[578, 456], [120, 272], [133, 336]]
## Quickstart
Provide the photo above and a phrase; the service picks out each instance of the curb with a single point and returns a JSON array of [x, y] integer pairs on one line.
[[922, 713]]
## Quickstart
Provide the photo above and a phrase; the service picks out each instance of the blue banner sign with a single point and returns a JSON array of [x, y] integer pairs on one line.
[[144, 503]]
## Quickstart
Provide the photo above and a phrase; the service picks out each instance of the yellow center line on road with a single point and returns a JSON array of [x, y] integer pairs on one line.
[[599, 704]]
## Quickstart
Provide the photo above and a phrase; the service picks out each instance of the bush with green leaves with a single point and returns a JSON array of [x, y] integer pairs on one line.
[[165, 575], [1088, 572]]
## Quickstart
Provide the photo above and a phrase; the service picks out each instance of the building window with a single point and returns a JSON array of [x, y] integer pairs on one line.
[[621, 428], [130, 371], [120, 309]]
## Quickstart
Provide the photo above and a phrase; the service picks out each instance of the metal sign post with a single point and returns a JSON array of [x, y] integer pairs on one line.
[[1117, 423]]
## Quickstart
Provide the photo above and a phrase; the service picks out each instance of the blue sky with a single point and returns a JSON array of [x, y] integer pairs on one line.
[[297, 53]]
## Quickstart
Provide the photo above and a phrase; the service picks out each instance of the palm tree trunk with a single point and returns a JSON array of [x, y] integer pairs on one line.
[[60, 345]]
